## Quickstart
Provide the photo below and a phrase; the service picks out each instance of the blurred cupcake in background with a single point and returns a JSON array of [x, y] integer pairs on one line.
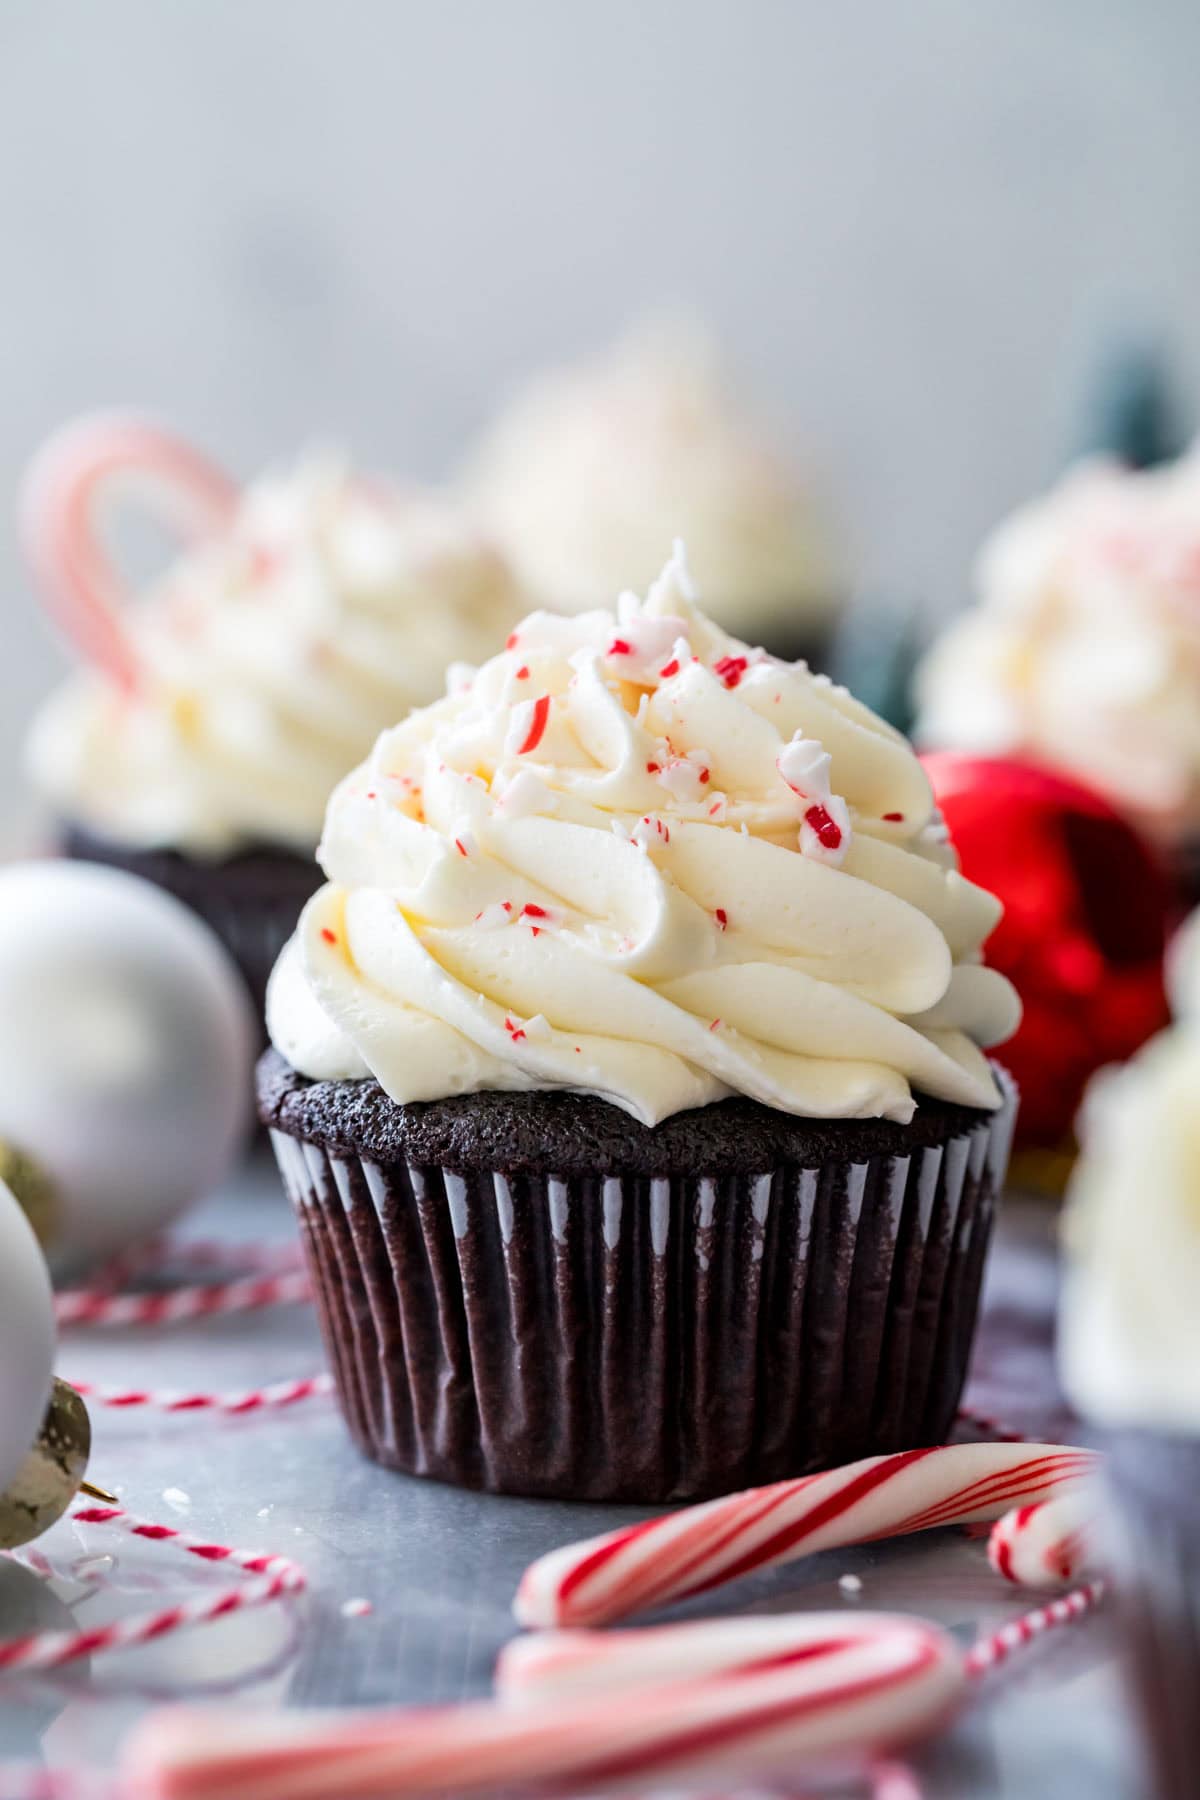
[[595, 466], [1129, 1352], [1083, 651], [219, 706]]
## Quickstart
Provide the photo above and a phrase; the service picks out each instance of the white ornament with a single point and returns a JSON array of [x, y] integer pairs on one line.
[[26, 1338], [126, 1050]]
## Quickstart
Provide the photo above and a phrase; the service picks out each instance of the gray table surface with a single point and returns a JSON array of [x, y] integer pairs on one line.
[[439, 1566]]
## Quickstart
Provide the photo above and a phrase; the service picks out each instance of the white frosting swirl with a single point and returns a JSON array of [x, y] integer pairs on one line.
[[271, 659], [634, 858], [1129, 1337], [1084, 648], [596, 466]]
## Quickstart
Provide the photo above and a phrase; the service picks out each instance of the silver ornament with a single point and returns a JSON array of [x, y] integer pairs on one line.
[[51, 1475]]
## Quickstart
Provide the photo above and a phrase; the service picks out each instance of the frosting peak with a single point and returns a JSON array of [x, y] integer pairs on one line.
[[635, 857]]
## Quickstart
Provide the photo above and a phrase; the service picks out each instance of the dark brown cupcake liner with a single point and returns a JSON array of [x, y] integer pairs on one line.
[[251, 901], [624, 1336], [1154, 1553]]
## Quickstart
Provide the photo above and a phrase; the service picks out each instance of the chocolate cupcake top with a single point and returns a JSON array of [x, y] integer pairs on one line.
[[267, 660], [1129, 1338], [1084, 647], [632, 857]]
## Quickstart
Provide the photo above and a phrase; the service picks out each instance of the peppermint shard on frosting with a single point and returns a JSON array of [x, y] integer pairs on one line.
[[634, 857]]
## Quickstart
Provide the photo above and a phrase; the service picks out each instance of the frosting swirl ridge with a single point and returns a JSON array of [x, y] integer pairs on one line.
[[633, 857]]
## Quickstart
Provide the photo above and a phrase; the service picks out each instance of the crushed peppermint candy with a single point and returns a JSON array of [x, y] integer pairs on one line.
[[825, 831], [804, 765], [329, 936], [722, 918], [686, 777], [651, 830], [465, 843], [490, 918], [730, 669], [893, 818], [527, 726], [515, 1030]]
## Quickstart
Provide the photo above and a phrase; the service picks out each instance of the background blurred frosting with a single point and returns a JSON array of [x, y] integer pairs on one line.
[[595, 467], [632, 857], [271, 658], [1084, 648], [1129, 1343]]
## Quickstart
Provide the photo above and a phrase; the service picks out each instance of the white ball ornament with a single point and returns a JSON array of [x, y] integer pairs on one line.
[[26, 1337], [126, 1050]]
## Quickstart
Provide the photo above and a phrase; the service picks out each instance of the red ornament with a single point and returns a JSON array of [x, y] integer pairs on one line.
[[1087, 909]]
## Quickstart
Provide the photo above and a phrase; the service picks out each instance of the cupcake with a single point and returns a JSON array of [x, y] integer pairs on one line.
[[199, 743], [1084, 648], [627, 1077], [595, 467], [1129, 1349]]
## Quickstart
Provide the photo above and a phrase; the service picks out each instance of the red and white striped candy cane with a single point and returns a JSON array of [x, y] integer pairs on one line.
[[689, 1551], [279, 1395], [270, 1577], [72, 477], [774, 1690], [1018, 1634], [1048, 1544], [91, 1306]]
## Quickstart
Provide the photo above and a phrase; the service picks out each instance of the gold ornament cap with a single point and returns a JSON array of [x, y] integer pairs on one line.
[[32, 1189], [51, 1475]]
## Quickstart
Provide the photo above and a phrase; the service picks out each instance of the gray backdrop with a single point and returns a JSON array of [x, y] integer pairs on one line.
[[912, 222]]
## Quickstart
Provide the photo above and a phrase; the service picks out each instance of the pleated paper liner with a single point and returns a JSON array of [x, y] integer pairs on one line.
[[627, 1336]]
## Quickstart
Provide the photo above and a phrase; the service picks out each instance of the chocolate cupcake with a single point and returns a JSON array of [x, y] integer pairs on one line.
[[626, 1077], [1129, 1349], [200, 743], [594, 467]]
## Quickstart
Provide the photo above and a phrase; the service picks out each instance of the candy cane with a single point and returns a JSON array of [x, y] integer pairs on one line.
[[689, 1551], [281, 1394], [1048, 1544], [1019, 1633], [91, 1306], [773, 1691], [271, 1578], [69, 480]]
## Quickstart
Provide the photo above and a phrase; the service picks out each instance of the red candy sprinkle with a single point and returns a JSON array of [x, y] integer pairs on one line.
[[534, 911], [829, 832], [731, 669], [652, 768], [510, 642], [523, 672], [669, 669], [722, 917], [329, 936], [541, 712], [716, 1025], [371, 794], [619, 647], [461, 847], [515, 1031], [704, 777], [894, 818]]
